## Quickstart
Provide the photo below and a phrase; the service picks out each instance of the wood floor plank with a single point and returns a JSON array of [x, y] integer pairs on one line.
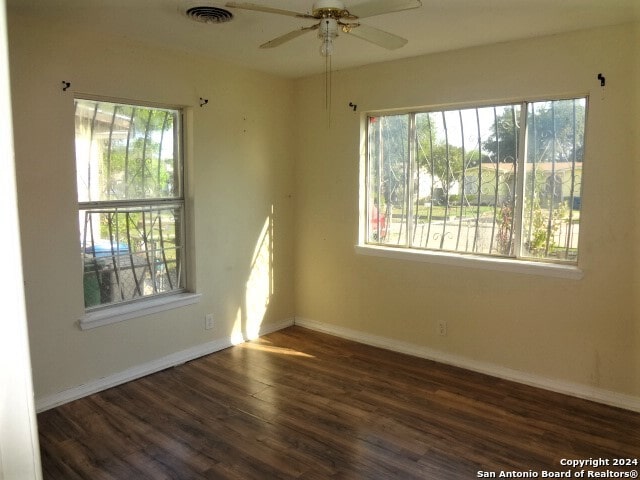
[[297, 404]]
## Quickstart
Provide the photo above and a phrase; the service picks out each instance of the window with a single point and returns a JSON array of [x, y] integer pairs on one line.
[[130, 201], [497, 181]]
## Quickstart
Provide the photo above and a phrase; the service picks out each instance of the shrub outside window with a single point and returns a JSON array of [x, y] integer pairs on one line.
[[500, 180], [130, 201]]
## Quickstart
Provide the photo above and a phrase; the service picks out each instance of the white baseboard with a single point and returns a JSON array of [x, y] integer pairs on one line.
[[586, 392], [74, 393]]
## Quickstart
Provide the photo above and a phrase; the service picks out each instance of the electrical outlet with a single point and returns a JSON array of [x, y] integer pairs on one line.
[[442, 328], [208, 321]]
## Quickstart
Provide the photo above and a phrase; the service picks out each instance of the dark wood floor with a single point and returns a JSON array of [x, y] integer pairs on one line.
[[299, 404]]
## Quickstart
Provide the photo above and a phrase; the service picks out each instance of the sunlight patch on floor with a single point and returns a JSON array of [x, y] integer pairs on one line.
[[271, 349]]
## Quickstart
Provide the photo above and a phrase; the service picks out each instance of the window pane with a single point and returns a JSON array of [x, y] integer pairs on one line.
[[458, 180], [130, 253], [388, 176], [126, 152], [466, 179], [131, 209], [553, 179]]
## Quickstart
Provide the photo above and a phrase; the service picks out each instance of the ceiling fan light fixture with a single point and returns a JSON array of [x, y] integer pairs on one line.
[[327, 32], [326, 47]]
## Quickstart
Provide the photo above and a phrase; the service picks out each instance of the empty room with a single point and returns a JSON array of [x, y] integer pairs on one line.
[[286, 239]]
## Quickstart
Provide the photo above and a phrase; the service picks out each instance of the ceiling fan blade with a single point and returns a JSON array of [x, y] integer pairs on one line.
[[261, 8], [288, 36], [378, 7], [379, 37]]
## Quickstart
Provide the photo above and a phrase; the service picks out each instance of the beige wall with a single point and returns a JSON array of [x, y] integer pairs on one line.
[[583, 332], [241, 177]]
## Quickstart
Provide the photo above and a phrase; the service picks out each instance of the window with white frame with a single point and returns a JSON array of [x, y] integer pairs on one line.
[[497, 181], [130, 201]]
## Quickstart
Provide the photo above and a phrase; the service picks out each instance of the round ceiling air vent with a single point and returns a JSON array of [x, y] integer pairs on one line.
[[207, 14]]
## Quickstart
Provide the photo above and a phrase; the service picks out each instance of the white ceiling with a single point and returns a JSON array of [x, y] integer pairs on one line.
[[439, 25]]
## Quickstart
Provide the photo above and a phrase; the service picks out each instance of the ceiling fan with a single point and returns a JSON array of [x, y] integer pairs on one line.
[[333, 16]]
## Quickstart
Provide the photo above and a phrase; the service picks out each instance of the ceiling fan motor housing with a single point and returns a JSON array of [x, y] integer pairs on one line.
[[329, 9]]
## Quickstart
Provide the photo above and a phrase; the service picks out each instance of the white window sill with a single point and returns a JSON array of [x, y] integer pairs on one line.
[[120, 313], [474, 261]]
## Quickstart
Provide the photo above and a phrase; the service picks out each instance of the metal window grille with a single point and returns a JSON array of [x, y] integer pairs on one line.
[[502, 180], [131, 204]]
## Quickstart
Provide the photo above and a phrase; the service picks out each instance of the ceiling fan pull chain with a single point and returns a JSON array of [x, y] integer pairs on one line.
[[328, 74], [330, 88]]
